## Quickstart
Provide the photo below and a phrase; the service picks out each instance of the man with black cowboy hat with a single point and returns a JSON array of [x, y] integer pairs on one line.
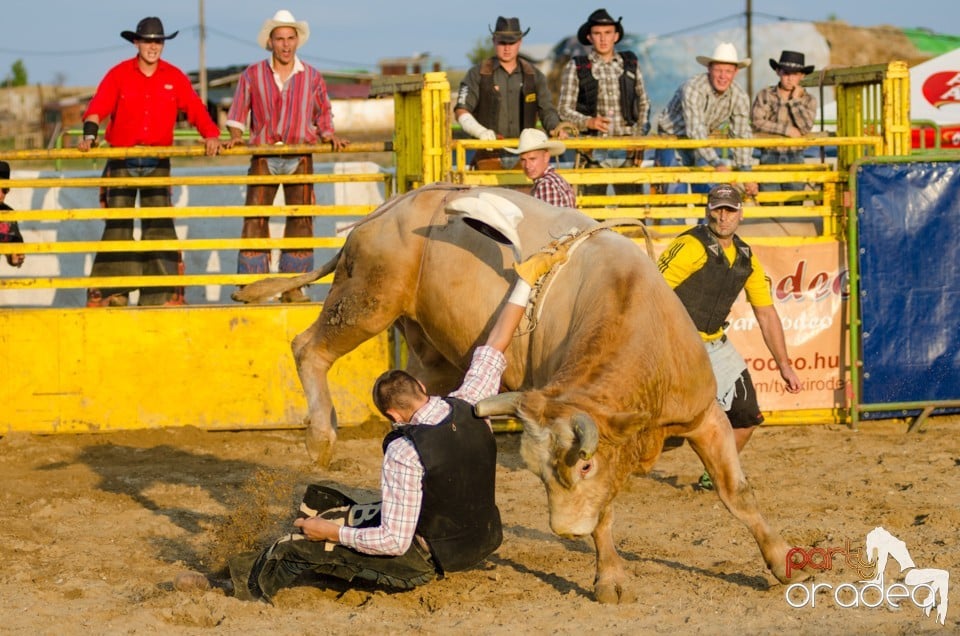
[[142, 97], [603, 93], [503, 95], [287, 103], [786, 110], [703, 104], [708, 266]]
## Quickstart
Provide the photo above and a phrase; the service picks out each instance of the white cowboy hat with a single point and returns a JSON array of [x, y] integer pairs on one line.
[[492, 215], [535, 139], [725, 53], [282, 18]]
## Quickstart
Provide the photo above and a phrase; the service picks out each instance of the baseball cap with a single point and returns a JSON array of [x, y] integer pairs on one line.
[[724, 196]]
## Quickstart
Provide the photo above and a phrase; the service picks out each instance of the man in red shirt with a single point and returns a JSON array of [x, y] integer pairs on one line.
[[286, 102], [142, 98]]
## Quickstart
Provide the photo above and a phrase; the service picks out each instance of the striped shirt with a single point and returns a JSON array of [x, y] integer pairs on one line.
[[401, 475], [773, 115], [293, 112], [608, 96], [696, 110], [553, 189]]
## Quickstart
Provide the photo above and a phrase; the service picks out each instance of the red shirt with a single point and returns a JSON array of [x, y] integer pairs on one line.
[[143, 110]]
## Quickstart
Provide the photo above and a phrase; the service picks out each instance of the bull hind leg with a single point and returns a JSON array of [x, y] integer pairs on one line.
[[352, 314], [714, 443]]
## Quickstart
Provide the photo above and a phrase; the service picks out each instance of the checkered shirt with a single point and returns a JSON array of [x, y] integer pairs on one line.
[[401, 475], [696, 110], [608, 97], [553, 189]]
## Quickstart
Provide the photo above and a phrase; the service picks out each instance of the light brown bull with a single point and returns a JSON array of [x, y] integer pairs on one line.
[[613, 367]]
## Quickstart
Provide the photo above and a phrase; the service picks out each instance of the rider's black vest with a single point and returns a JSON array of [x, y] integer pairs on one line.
[[708, 294], [488, 104], [459, 516], [590, 88]]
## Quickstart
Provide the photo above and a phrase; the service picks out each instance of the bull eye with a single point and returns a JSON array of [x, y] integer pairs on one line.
[[585, 468]]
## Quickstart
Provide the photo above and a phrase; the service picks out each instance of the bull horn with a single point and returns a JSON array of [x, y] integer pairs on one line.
[[585, 430], [502, 404]]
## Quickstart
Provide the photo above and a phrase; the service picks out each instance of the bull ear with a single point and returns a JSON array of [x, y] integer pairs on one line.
[[586, 433], [502, 404]]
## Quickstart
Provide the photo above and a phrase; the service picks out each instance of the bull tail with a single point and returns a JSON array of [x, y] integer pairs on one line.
[[265, 289]]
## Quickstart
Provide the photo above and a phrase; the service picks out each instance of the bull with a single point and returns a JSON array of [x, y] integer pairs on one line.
[[610, 367]]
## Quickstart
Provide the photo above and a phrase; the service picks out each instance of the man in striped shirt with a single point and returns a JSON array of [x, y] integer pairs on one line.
[[286, 101], [535, 150], [434, 517]]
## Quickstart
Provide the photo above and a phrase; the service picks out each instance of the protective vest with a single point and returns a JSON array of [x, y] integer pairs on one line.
[[459, 516], [708, 294], [590, 88], [488, 103]]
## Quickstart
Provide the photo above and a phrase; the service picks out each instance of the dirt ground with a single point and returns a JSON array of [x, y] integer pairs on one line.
[[96, 527]]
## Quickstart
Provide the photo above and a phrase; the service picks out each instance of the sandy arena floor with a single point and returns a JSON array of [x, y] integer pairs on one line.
[[96, 527]]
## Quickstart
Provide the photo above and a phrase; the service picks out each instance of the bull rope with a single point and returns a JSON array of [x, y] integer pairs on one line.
[[575, 237]]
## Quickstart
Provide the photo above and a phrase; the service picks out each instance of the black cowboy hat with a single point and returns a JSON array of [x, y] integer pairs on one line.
[[508, 30], [150, 29], [600, 17], [791, 62]]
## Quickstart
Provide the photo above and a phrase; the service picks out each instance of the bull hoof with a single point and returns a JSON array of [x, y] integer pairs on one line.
[[320, 446], [613, 593], [796, 576]]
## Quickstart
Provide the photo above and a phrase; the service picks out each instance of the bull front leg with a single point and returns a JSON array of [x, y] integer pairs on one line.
[[611, 583]]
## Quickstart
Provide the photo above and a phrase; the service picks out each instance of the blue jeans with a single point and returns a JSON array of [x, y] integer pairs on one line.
[[772, 157], [671, 157]]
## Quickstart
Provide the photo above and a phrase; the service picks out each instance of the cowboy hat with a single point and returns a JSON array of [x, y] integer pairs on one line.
[[150, 29], [508, 30], [535, 139], [600, 17], [725, 53], [282, 18], [791, 62]]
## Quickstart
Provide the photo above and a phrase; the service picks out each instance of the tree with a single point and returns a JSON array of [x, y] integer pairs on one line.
[[482, 49], [17, 75]]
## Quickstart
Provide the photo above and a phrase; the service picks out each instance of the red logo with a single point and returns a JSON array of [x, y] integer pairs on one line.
[[942, 88]]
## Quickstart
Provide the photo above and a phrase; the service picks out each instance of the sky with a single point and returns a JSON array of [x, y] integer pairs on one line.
[[76, 43]]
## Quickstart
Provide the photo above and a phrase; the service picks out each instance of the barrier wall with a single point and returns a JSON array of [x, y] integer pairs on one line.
[[211, 363], [908, 243], [214, 367]]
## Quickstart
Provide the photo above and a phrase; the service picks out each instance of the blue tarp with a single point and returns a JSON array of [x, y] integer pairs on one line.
[[909, 222]]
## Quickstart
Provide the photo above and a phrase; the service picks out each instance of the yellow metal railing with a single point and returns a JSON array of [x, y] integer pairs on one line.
[[822, 198], [186, 244]]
